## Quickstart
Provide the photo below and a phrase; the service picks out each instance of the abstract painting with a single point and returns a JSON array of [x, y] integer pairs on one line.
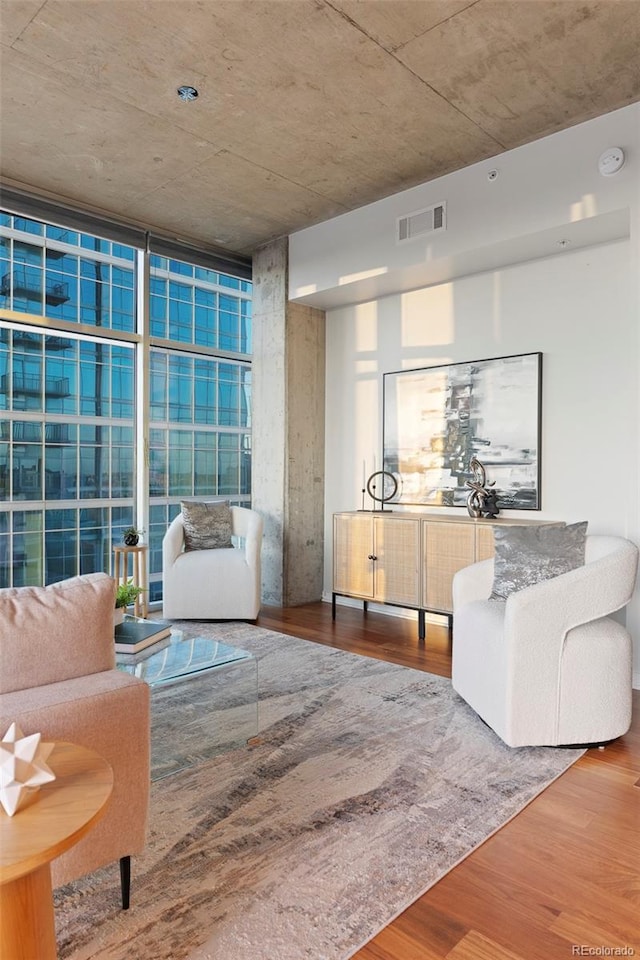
[[436, 419]]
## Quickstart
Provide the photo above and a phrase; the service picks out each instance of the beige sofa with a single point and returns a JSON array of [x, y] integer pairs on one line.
[[58, 677]]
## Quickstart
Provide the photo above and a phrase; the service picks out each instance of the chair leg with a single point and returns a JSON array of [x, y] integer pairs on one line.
[[125, 880]]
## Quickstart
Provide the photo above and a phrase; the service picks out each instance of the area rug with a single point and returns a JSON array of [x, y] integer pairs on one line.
[[367, 783]]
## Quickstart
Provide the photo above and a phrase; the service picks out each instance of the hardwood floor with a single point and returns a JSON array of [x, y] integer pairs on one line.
[[561, 879]]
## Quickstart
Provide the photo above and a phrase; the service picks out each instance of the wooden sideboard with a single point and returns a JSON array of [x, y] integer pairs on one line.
[[407, 559]]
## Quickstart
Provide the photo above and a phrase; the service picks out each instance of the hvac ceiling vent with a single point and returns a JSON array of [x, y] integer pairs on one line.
[[422, 222]]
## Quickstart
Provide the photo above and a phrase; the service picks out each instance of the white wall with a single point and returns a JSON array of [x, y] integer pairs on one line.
[[544, 192], [578, 306]]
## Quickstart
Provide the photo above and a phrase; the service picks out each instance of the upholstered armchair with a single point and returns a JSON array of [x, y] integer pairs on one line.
[[213, 584], [58, 678], [548, 666]]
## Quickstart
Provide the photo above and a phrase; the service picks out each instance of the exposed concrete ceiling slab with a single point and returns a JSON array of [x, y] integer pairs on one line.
[[306, 108], [531, 68]]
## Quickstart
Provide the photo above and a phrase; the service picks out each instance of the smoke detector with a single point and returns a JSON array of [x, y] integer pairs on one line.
[[611, 161]]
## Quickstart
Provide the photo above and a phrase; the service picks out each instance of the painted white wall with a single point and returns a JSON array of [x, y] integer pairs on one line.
[[545, 191], [579, 306]]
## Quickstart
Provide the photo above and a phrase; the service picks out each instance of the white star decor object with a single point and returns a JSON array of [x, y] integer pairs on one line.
[[23, 767]]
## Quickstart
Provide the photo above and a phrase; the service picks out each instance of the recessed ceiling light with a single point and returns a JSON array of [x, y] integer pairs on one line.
[[187, 93]]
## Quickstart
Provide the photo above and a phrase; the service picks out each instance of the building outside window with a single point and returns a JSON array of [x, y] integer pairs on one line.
[[73, 434]]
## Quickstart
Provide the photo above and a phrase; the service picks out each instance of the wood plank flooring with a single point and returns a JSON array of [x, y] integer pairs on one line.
[[561, 879]]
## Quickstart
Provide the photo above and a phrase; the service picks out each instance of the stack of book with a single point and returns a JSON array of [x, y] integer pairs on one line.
[[135, 634]]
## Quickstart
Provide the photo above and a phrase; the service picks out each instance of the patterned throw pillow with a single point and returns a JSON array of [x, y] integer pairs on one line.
[[207, 526], [526, 555]]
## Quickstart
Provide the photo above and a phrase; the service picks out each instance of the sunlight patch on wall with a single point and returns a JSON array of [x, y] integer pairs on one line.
[[366, 327], [366, 366], [427, 316], [585, 208], [362, 275], [306, 290], [497, 306]]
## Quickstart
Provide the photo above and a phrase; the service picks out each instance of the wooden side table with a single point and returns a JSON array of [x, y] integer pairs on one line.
[[121, 554], [60, 814]]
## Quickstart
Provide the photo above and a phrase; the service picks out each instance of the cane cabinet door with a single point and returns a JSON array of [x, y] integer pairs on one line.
[[447, 548], [396, 551], [352, 552]]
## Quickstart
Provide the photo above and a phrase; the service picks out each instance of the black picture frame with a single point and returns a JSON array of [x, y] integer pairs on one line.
[[436, 419]]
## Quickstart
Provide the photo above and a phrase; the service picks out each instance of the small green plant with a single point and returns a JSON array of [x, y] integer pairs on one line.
[[127, 593], [130, 535]]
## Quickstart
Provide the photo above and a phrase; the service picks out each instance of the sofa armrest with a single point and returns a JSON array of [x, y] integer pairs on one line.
[[253, 540], [108, 712], [173, 542], [472, 583], [587, 593]]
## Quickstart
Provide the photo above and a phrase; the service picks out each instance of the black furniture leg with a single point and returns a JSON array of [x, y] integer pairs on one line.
[[421, 627], [125, 880], [333, 606]]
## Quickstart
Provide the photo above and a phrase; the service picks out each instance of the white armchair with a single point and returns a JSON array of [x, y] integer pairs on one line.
[[222, 584], [548, 666]]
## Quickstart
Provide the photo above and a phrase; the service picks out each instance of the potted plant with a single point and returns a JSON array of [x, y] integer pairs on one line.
[[126, 594], [131, 535]]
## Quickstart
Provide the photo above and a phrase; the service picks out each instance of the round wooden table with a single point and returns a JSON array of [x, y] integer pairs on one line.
[[59, 814]]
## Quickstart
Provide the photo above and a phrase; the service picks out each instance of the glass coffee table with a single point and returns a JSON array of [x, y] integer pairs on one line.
[[204, 699]]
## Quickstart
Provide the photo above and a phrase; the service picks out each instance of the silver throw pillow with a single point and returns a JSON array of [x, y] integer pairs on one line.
[[207, 526], [526, 555]]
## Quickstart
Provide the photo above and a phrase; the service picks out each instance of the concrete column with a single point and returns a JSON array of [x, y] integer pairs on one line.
[[288, 383]]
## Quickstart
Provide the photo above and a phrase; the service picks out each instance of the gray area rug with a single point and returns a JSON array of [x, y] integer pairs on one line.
[[368, 782]]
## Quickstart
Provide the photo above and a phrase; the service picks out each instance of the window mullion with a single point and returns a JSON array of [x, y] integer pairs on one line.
[[143, 378]]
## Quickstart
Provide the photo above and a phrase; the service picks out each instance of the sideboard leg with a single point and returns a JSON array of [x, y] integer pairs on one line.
[[365, 606], [333, 606], [421, 626]]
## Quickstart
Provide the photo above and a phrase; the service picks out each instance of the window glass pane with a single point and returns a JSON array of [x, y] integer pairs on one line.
[[27, 468], [61, 378], [228, 464], [94, 540], [28, 226], [61, 472], [27, 555], [204, 463], [158, 473], [180, 463], [62, 234], [158, 385], [228, 395], [122, 382], [4, 375], [4, 472], [177, 266], [61, 544], [95, 243], [180, 388]]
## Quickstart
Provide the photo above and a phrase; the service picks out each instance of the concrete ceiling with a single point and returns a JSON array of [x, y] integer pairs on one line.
[[306, 108]]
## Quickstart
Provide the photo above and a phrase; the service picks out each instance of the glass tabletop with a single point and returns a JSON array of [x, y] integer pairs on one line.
[[178, 658]]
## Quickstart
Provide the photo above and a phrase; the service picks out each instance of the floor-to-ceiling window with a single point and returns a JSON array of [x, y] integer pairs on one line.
[[199, 398], [83, 420]]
